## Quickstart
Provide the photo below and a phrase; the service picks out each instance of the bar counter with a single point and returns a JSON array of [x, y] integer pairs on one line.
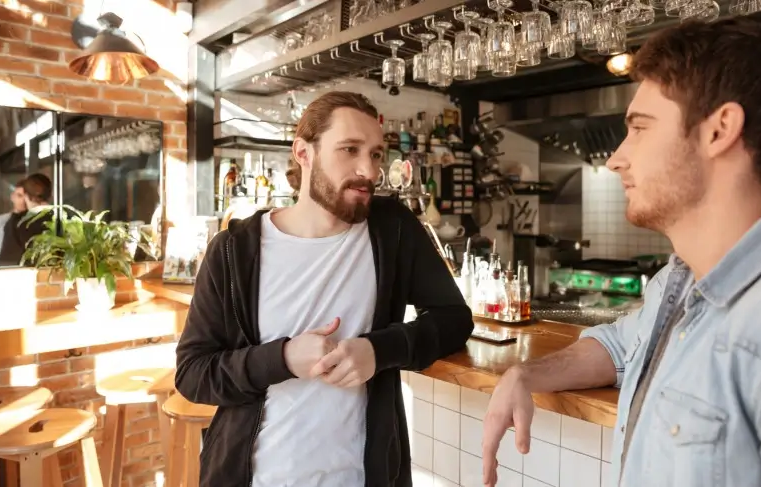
[[481, 364]]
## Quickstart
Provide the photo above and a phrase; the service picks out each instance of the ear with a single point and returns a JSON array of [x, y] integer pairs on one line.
[[303, 153], [722, 129]]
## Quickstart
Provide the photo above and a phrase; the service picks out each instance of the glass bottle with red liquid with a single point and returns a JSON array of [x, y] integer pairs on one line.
[[495, 296]]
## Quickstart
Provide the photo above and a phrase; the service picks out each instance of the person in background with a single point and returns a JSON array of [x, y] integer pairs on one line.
[[688, 363], [18, 207], [296, 326], [38, 191]]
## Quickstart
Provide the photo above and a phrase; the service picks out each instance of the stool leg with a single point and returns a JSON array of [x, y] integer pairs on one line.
[[30, 467], [113, 443], [176, 454], [192, 452], [52, 471], [90, 469], [165, 427], [11, 473]]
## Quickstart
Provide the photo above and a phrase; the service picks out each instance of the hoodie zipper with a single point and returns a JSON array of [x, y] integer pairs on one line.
[[249, 461]]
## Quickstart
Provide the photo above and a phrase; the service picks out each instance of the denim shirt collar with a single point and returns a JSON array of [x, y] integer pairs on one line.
[[737, 270]]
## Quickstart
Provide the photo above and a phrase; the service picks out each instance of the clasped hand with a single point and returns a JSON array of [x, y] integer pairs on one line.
[[315, 354]]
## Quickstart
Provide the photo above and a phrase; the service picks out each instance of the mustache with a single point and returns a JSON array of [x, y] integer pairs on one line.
[[361, 184]]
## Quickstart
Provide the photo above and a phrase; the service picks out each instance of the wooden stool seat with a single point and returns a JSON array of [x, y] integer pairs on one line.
[[35, 441], [121, 390], [179, 408], [47, 429], [19, 399], [189, 420], [130, 387]]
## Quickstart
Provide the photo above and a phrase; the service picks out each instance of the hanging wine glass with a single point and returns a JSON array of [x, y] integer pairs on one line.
[[420, 60], [467, 47], [500, 43], [440, 60], [393, 67], [484, 61]]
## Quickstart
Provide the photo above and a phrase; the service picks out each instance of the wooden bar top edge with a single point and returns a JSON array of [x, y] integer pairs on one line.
[[480, 365]]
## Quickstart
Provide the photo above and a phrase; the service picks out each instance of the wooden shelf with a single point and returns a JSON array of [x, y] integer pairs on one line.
[[182, 293], [68, 328]]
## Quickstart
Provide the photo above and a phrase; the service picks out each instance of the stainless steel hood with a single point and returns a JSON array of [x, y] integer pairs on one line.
[[571, 127]]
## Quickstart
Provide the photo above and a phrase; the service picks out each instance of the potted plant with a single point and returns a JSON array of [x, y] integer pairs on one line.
[[90, 252]]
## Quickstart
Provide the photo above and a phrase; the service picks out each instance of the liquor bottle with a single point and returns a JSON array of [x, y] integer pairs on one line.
[[438, 132], [405, 139], [230, 179], [262, 184], [391, 137], [420, 133]]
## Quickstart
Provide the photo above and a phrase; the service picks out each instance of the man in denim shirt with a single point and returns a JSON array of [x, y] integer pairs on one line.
[[689, 361]]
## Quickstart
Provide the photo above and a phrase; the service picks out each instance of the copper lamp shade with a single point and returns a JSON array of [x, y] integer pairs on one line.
[[113, 57]]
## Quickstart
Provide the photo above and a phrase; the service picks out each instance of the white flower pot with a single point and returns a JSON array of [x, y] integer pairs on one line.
[[93, 295]]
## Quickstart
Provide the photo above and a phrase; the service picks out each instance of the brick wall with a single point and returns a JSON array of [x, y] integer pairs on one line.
[[35, 49]]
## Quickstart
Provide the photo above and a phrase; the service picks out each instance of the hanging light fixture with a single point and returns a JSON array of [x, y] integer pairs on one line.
[[113, 56]]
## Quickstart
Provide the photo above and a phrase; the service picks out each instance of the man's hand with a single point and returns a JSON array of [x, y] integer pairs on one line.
[[351, 364], [511, 405], [302, 352]]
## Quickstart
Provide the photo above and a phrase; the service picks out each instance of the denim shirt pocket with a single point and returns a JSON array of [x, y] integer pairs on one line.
[[690, 440]]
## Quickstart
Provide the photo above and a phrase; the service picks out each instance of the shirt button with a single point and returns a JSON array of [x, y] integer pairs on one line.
[[622, 429], [674, 430], [682, 335]]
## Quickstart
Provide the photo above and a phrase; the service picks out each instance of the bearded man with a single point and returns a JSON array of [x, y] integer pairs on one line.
[[688, 362], [296, 326]]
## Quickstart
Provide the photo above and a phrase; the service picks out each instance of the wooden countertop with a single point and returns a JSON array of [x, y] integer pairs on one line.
[[65, 329], [481, 364]]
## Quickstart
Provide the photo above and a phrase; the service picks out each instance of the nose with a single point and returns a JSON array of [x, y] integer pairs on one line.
[[368, 167], [617, 162]]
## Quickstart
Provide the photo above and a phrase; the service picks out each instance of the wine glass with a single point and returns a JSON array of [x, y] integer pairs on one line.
[[393, 67]]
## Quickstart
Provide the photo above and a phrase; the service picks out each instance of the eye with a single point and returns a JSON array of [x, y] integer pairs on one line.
[[635, 130], [377, 155], [350, 150]]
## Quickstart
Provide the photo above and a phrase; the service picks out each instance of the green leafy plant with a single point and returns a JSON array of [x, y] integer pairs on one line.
[[87, 247]]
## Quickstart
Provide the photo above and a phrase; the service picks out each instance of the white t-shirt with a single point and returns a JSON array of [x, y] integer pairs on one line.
[[313, 434]]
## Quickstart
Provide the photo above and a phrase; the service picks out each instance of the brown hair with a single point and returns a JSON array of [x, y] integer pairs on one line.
[[38, 188], [702, 66], [316, 121]]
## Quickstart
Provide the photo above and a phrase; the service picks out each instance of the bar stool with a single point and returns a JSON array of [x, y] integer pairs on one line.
[[34, 442], [162, 389], [189, 420], [121, 390], [14, 403]]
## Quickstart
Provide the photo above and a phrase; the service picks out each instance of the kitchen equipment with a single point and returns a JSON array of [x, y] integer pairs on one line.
[[447, 231], [593, 291]]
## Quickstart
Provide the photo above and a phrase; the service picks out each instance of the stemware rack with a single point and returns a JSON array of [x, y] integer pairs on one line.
[[354, 52]]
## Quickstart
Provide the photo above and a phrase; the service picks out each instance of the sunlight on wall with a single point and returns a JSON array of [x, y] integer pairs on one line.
[[156, 26], [16, 97], [24, 375], [38, 19]]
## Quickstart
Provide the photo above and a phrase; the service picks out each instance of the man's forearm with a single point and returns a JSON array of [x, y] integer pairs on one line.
[[584, 365]]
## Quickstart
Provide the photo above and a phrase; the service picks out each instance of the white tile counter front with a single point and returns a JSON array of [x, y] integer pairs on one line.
[[446, 428]]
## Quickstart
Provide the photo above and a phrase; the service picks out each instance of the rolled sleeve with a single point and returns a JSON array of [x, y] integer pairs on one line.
[[617, 338]]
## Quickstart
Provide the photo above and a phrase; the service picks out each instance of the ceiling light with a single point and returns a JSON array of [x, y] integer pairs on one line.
[[113, 56], [620, 64]]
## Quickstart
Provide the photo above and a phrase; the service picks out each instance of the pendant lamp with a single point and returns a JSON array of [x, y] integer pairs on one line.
[[113, 56]]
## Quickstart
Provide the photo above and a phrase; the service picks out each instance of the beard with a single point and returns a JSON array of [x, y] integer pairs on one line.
[[664, 198], [331, 198]]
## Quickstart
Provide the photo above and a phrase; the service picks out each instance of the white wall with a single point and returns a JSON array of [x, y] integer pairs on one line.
[[445, 422], [604, 220]]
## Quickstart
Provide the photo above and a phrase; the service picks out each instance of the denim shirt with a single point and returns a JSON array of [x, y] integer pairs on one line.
[[700, 420]]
